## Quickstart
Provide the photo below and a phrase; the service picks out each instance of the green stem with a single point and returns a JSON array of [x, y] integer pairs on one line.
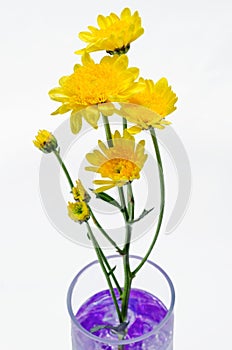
[[131, 201], [123, 204], [96, 246], [57, 154], [127, 274], [124, 123], [105, 234], [91, 213], [162, 201], [101, 262], [130, 196], [113, 243], [112, 273], [107, 130], [126, 261]]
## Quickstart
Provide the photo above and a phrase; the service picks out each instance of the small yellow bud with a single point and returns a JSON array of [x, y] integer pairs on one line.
[[78, 211], [45, 141], [79, 192]]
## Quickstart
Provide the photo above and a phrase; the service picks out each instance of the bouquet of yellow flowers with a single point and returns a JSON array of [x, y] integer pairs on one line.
[[104, 89]]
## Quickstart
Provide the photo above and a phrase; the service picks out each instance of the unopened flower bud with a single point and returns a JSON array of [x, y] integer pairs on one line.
[[45, 141], [79, 192], [78, 211]]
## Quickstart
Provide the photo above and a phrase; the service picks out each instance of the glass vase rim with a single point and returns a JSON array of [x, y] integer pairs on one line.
[[126, 341]]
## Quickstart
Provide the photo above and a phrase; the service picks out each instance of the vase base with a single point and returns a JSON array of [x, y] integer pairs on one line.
[[144, 314]]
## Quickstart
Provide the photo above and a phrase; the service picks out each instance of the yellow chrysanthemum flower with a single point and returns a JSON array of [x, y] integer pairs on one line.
[[121, 163], [149, 107], [79, 192], [114, 34], [78, 211], [45, 141], [92, 87]]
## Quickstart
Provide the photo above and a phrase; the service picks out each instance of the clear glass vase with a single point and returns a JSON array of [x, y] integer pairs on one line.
[[150, 313]]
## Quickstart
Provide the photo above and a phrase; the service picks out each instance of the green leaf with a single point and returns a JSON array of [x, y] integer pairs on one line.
[[97, 328], [111, 271], [106, 198], [120, 329], [144, 213]]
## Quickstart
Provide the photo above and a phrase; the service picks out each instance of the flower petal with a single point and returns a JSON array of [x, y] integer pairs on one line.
[[125, 13], [115, 33], [61, 110], [103, 147], [104, 188], [107, 109], [76, 121], [96, 158], [91, 115], [134, 130], [86, 59], [91, 168]]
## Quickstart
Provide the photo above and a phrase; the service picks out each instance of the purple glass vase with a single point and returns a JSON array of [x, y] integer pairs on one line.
[[94, 321]]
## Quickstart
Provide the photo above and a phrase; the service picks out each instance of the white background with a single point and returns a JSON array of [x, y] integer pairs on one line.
[[190, 44]]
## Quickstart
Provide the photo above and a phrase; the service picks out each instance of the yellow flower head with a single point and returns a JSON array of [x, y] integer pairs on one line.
[[114, 34], [79, 192], [78, 211], [92, 87], [149, 107], [120, 163], [45, 141]]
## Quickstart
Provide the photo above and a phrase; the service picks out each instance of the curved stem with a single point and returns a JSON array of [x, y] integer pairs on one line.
[[126, 262], [105, 234], [98, 252], [162, 201], [110, 270], [130, 196], [131, 201], [101, 257], [101, 251], [57, 154], [96, 223], [127, 273], [123, 204], [107, 130]]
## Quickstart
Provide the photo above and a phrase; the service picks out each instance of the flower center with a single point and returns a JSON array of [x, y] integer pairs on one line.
[[92, 84], [78, 209], [119, 169]]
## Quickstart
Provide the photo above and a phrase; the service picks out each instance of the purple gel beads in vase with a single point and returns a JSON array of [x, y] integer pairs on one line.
[[145, 312], [150, 320]]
